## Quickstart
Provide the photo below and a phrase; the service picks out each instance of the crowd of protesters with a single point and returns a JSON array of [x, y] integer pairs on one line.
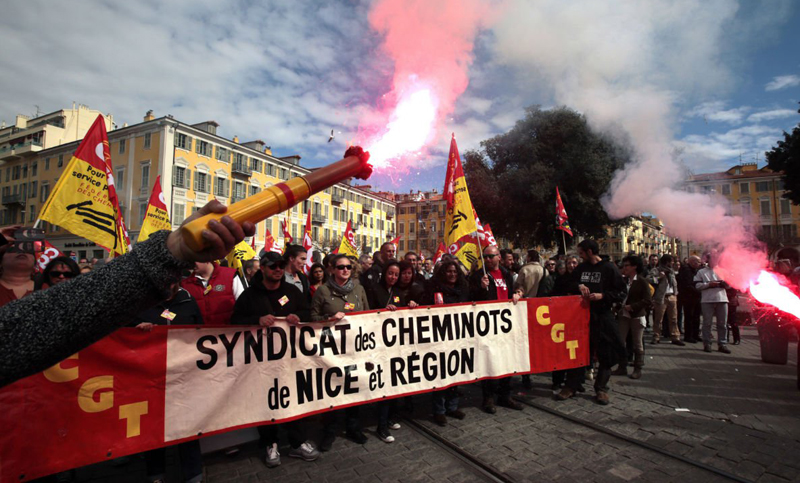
[[624, 299]]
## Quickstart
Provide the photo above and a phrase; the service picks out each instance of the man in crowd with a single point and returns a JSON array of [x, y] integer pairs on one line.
[[507, 261], [713, 303], [250, 268], [689, 300], [428, 269], [294, 273], [530, 275], [599, 283], [215, 289], [496, 284], [413, 259], [262, 304], [632, 313], [366, 262], [665, 300], [373, 276]]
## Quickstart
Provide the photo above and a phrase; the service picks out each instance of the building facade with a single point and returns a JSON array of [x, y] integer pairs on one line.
[[641, 235], [420, 221], [195, 165]]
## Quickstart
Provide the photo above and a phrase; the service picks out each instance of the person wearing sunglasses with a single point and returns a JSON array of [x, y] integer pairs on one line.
[[340, 295], [15, 279], [59, 270]]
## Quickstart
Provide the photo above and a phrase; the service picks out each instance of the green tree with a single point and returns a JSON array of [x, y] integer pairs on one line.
[[512, 180], [785, 157]]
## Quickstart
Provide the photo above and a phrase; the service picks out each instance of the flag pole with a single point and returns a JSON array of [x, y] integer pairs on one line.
[[564, 240]]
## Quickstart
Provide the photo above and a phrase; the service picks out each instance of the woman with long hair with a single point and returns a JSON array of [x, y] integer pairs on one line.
[[412, 291], [316, 277], [59, 270]]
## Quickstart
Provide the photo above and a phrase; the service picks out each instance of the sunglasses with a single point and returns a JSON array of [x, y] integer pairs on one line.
[[55, 274], [344, 267], [491, 256]]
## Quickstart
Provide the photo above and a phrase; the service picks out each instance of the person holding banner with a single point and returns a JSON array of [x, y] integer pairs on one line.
[[340, 295], [269, 298], [496, 283], [216, 289], [448, 286], [46, 327]]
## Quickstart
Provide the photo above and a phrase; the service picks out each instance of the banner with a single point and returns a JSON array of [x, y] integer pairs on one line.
[[156, 217], [134, 391]]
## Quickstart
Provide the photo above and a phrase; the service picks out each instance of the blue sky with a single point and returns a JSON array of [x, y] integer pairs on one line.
[[720, 77]]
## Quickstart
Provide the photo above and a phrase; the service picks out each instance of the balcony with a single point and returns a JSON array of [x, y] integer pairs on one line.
[[423, 233], [390, 214], [12, 152], [241, 169], [337, 199], [317, 219], [13, 199], [367, 206]]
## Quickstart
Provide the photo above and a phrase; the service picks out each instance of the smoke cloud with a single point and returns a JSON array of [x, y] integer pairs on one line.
[[630, 67]]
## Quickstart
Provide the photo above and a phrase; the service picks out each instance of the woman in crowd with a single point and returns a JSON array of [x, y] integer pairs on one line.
[[17, 270], [340, 295], [85, 267], [59, 270], [412, 291], [561, 288], [448, 286], [316, 278]]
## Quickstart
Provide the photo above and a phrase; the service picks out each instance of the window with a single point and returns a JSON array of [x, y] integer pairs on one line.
[[269, 169], [47, 164], [15, 172], [411, 227], [122, 146], [223, 155], [202, 182], [766, 208], [45, 192], [744, 188], [147, 141], [221, 186], [779, 185], [142, 213], [726, 189], [294, 231], [178, 213], [183, 141], [239, 190], [34, 189], [146, 175], [8, 174], [786, 207], [255, 165], [762, 186], [254, 190], [202, 148], [402, 246], [402, 228], [60, 160], [32, 210], [120, 181], [34, 169], [179, 177]]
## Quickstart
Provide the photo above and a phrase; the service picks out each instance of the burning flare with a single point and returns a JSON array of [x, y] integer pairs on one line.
[[769, 290]]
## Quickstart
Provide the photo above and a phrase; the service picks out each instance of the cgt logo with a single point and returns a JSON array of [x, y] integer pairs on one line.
[[557, 331], [96, 395]]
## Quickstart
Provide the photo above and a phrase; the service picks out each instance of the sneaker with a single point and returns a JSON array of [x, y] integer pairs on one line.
[[458, 414], [384, 435], [394, 425], [440, 419], [655, 341], [327, 442], [305, 451], [358, 437], [273, 456], [565, 394], [706, 347], [602, 398], [678, 342], [724, 349], [508, 402], [488, 406]]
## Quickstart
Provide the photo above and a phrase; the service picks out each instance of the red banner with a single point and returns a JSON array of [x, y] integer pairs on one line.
[[109, 400]]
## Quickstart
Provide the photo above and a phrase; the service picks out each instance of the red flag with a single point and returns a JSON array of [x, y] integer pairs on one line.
[[49, 252], [449, 178], [285, 228], [308, 244], [490, 239], [440, 251], [396, 242], [269, 243], [562, 220]]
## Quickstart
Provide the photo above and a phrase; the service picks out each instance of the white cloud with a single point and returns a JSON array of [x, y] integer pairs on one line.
[[715, 111], [720, 150], [782, 82], [771, 115]]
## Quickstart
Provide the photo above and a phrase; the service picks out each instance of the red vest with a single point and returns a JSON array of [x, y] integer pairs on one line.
[[217, 300]]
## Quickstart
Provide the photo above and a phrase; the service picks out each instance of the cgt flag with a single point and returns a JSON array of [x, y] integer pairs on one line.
[[562, 220], [287, 237], [270, 245], [308, 244], [348, 244], [440, 251], [459, 221], [84, 201], [156, 218]]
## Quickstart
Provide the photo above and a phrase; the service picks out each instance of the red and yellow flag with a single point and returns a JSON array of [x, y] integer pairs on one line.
[[84, 201], [440, 251], [156, 218], [270, 245], [562, 220], [348, 244], [287, 237]]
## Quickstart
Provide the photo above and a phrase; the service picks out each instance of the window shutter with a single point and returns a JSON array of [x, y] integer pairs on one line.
[[208, 183], [195, 182], [228, 189], [174, 176], [187, 181]]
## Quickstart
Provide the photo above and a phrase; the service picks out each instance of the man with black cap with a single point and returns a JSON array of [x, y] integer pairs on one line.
[[269, 298]]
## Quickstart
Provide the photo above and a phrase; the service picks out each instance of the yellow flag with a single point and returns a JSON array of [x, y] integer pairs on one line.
[[84, 201], [240, 252], [459, 221], [156, 218], [469, 256], [348, 245]]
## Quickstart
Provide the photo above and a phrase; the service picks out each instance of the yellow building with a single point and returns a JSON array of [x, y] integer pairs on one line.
[[642, 235], [195, 165], [420, 221], [755, 194]]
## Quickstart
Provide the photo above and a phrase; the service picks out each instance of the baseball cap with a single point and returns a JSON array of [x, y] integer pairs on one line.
[[270, 259]]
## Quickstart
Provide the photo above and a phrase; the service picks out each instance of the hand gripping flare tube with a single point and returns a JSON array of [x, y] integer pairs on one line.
[[283, 196]]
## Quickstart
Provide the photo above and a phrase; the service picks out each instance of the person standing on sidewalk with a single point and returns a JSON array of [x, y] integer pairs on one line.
[[713, 302], [632, 317], [665, 300], [601, 285], [689, 300]]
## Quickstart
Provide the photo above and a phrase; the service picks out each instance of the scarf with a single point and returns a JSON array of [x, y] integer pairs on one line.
[[342, 290]]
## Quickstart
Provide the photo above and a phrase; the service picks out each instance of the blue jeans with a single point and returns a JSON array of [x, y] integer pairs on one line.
[[445, 401], [720, 309]]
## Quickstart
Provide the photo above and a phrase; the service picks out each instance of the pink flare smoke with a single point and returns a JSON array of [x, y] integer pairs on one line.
[[431, 43], [768, 290]]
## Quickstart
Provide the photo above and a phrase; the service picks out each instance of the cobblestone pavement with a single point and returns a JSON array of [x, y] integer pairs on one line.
[[737, 415]]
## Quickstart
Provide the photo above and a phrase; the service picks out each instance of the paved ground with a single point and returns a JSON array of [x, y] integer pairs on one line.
[[737, 415]]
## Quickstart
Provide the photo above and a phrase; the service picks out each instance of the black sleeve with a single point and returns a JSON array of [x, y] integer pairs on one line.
[[303, 311], [614, 291], [476, 292], [243, 312]]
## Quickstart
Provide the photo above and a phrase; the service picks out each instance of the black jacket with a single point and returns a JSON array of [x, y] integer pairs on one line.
[[380, 297], [257, 301], [686, 287], [563, 284], [182, 305], [478, 293], [602, 277], [450, 295]]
